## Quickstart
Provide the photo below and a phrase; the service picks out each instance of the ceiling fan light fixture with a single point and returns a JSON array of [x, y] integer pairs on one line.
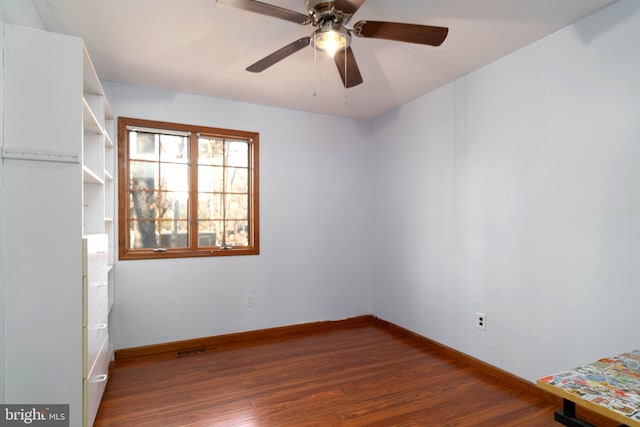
[[331, 39]]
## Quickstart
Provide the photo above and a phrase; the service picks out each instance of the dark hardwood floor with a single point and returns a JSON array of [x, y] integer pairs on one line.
[[354, 375]]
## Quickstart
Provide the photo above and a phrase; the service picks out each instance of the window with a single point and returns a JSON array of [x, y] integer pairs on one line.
[[186, 191]]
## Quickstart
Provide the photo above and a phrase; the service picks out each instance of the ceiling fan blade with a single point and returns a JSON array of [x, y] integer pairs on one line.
[[267, 9], [348, 6], [410, 33], [279, 55], [352, 77]]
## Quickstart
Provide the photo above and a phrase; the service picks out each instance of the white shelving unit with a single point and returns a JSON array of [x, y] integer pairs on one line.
[[58, 211]]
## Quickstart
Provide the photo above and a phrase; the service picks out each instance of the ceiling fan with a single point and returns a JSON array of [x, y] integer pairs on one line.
[[333, 33]]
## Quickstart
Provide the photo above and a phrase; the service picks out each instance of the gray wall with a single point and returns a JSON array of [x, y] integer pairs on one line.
[[514, 192], [315, 222]]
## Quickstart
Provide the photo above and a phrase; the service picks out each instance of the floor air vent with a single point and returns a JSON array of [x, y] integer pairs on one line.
[[191, 352]]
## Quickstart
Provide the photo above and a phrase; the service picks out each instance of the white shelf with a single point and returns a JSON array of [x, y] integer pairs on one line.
[[107, 140], [90, 82], [90, 121], [90, 177]]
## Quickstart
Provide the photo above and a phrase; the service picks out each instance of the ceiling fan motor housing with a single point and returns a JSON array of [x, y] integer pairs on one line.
[[319, 6], [323, 11]]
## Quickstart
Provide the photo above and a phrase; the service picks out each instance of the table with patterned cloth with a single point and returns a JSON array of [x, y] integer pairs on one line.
[[610, 387]]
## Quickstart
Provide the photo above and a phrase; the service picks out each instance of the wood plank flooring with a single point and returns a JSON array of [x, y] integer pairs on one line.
[[351, 376]]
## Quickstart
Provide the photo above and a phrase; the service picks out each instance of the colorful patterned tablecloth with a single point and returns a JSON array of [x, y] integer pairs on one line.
[[611, 382]]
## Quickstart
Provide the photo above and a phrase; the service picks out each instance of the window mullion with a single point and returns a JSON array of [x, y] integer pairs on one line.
[[193, 192], [157, 191], [224, 193]]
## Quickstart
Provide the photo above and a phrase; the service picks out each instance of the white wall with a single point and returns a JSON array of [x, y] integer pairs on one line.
[[514, 192], [315, 203], [18, 12]]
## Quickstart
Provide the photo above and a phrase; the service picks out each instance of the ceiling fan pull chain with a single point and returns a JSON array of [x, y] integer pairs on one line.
[[346, 78], [315, 72]]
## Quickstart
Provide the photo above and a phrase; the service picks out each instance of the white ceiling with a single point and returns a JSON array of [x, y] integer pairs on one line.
[[201, 47]]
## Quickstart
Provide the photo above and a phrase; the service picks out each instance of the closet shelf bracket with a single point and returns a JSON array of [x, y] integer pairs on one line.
[[40, 155]]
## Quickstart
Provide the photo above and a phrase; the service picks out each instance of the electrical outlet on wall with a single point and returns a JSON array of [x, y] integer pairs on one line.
[[250, 300], [481, 321]]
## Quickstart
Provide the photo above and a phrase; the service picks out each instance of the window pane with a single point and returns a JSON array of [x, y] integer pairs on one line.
[[210, 151], [143, 175], [173, 205], [210, 179], [209, 206], [236, 206], [209, 233], [237, 153], [174, 234], [142, 234], [142, 205], [237, 233], [237, 180], [174, 177], [143, 146], [174, 148]]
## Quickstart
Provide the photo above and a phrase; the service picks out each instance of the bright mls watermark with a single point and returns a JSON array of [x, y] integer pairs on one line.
[[34, 415]]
